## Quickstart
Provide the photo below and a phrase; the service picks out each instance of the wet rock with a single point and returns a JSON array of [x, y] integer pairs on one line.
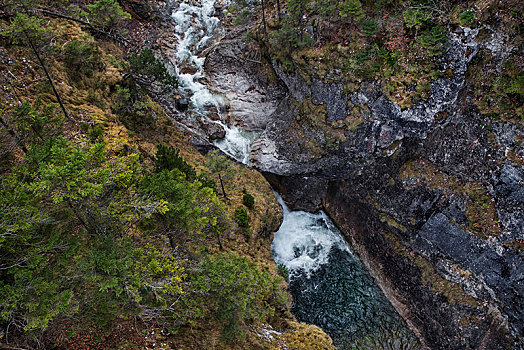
[[502, 274], [251, 99], [214, 130], [510, 183], [141, 8], [201, 145], [305, 193], [332, 96], [408, 230], [181, 103]]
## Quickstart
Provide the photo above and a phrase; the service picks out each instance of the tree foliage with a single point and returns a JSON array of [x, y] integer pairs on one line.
[[220, 165], [62, 244], [146, 68], [82, 59], [248, 200], [237, 292], [242, 217], [351, 9], [83, 225], [24, 27], [416, 18], [106, 14], [433, 40], [168, 158], [369, 27]]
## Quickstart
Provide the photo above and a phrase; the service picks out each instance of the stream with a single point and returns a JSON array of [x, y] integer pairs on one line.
[[196, 29], [329, 284], [332, 289]]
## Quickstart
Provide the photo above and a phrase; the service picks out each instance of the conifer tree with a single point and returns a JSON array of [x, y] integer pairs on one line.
[[351, 9]]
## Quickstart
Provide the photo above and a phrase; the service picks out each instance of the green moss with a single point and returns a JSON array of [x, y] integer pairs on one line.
[[481, 211], [392, 222], [497, 94], [452, 291], [314, 116], [397, 246]]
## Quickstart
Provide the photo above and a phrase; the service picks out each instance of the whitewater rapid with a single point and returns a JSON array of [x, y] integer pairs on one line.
[[329, 284], [197, 28], [304, 241], [332, 289]]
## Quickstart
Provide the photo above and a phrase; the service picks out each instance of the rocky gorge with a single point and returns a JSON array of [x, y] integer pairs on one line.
[[274, 174], [430, 196]]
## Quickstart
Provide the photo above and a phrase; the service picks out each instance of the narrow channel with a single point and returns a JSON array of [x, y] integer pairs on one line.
[[331, 287], [329, 284], [196, 30]]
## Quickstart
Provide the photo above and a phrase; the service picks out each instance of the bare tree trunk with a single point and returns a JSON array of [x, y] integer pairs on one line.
[[42, 64], [222, 185], [13, 88], [171, 240], [329, 27], [264, 20], [279, 10], [82, 221], [115, 37], [219, 241], [14, 135], [350, 29]]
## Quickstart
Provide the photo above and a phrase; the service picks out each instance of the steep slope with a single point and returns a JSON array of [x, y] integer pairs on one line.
[[410, 138]]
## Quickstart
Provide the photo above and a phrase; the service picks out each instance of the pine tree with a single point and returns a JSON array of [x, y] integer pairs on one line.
[[370, 27], [106, 14], [351, 9]]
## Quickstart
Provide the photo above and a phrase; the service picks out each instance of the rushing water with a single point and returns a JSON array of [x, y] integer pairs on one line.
[[331, 287], [196, 28]]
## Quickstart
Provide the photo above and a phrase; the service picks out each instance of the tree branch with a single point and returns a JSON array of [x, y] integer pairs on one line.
[[98, 30]]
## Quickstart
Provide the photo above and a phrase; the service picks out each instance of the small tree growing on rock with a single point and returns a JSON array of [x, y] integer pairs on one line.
[[106, 14], [351, 9], [220, 165]]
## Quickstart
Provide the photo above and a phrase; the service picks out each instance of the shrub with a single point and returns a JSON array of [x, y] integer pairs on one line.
[[370, 27], [147, 66], [96, 132], [283, 271], [432, 40], [248, 200], [241, 217], [416, 18], [106, 14], [247, 232], [208, 181], [467, 17], [168, 158], [81, 58], [236, 293]]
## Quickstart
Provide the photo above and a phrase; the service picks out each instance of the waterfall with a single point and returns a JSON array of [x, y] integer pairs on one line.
[[331, 287], [196, 27], [304, 241]]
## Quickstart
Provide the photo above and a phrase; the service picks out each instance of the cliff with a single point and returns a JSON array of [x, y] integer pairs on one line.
[[427, 188]]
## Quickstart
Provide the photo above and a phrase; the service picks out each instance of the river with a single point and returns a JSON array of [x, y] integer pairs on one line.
[[329, 284]]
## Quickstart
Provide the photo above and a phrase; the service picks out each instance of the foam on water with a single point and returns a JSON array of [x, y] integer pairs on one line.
[[196, 26], [237, 143], [304, 241], [332, 289]]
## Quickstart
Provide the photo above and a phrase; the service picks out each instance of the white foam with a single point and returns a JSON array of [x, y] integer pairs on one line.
[[196, 25], [237, 143], [304, 241]]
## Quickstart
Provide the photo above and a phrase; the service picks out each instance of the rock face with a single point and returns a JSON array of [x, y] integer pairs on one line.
[[214, 130], [431, 197], [250, 98]]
